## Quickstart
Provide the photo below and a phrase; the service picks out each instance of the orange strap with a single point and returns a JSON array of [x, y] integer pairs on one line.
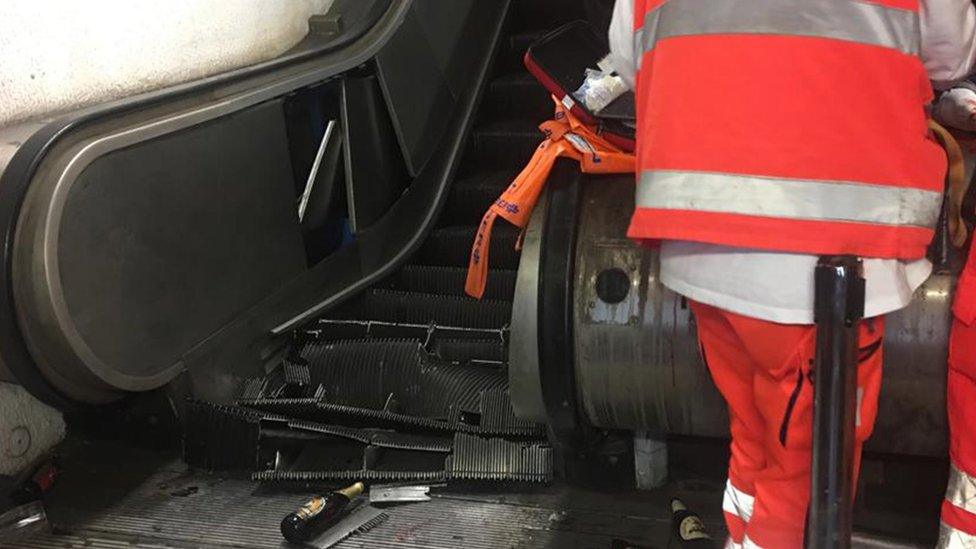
[[565, 137], [957, 183]]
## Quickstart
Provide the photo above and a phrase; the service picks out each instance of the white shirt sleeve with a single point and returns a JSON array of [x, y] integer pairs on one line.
[[621, 38], [948, 39]]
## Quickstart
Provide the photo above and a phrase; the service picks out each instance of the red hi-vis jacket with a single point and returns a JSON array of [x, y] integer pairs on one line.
[[790, 125]]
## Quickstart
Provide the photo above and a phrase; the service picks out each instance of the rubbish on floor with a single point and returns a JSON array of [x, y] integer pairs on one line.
[[23, 521], [361, 520], [687, 527], [318, 514], [397, 494], [29, 430], [34, 488]]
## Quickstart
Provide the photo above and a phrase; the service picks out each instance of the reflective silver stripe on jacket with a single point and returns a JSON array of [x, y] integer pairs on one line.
[[848, 20], [950, 538], [961, 490], [738, 503], [788, 198]]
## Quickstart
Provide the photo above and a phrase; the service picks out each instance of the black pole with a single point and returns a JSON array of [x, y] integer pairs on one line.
[[839, 307]]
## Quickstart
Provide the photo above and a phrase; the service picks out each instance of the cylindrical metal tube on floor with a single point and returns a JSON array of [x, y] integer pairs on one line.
[[839, 307]]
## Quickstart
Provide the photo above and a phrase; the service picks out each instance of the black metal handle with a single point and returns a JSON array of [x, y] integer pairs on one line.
[[839, 307]]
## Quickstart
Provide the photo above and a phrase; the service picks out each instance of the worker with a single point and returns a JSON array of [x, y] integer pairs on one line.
[[957, 108], [958, 527], [769, 133]]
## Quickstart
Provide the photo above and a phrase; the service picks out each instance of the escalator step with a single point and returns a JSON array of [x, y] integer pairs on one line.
[[477, 458], [296, 374], [510, 58], [416, 308], [314, 409], [451, 246], [518, 94], [467, 350], [507, 142], [377, 437], [471, 197], [219, 437], [357, 474], [450, 281], [497, 413], [398, 376], [473, 459], [334, 330]]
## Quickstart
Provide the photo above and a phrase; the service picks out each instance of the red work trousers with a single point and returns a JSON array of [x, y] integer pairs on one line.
[[764, 371], [958, 527]]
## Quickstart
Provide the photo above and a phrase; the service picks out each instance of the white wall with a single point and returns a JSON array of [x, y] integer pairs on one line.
[[56, 55]]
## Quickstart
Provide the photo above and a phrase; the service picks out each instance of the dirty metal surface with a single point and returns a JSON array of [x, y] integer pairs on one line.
[[638, 364], [114, 497]]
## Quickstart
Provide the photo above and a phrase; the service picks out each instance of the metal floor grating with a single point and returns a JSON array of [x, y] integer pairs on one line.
[[113, 497]]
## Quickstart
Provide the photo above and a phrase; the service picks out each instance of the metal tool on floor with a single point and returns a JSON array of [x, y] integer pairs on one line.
[[23, 521], [839, 307], [393, 493]]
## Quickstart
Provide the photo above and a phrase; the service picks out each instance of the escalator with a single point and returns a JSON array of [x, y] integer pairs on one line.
[[412, 353], [361, 358]]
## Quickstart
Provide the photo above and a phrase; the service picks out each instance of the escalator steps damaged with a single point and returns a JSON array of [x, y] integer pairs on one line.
[[276, 448], [409, 379]]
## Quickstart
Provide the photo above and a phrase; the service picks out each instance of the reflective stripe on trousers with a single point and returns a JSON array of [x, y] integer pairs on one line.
[[950, 538], [738, 503], [788, 198], [961, 490], [851, 21]]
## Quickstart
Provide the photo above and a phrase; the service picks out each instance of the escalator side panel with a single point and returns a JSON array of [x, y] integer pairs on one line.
[[242, 345], [375, 173], [49, 146], [164, 241]]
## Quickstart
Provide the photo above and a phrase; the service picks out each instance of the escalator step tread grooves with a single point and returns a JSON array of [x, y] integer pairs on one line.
[[220, 437], [463, 350], [313, 409], [376, 437], [518, 94], [473, 459], [369, 373], [419, 308], [471, 197], [358, 474], [296, 374], [493, 459], [496, 412], [451, 246], [337, 330], [437, 279], [252, 388], [508, 142]]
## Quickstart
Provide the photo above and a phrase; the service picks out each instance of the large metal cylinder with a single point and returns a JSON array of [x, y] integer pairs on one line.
[[637, 360]]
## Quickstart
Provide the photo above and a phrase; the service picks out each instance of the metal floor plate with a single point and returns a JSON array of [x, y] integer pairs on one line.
[[113, 497]]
